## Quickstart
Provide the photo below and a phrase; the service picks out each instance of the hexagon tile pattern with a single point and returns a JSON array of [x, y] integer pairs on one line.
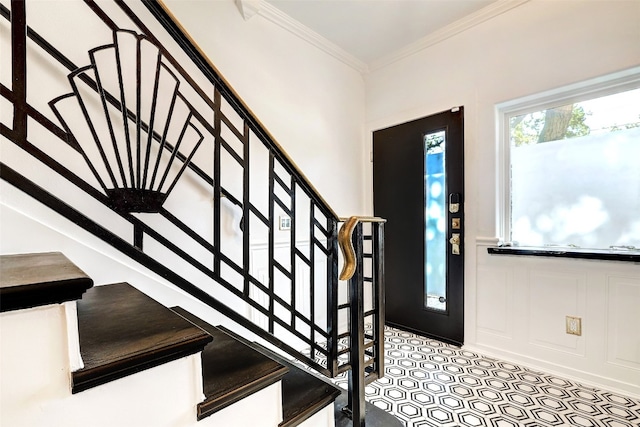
[[429, 383]]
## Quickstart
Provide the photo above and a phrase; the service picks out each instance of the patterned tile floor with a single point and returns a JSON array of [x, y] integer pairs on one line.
[[429, 383]]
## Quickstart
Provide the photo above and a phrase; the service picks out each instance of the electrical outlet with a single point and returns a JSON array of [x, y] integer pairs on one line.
[[574, 325]]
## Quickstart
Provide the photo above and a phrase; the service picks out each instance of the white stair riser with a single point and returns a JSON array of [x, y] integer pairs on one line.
[[322, 418], [261, 409], [34, 363]]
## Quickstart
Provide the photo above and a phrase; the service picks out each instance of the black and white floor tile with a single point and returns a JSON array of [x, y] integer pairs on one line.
[[429, 383]]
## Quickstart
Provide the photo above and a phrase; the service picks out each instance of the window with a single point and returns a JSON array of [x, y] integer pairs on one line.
[[571, 166]]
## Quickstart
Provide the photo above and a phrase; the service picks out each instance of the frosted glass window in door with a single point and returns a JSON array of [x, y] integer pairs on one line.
[[435, 293]]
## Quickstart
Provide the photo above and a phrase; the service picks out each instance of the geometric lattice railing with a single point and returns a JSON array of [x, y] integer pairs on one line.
[[127, 130]]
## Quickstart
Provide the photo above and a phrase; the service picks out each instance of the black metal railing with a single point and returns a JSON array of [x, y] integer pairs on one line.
[[365, 306], [157, 156]]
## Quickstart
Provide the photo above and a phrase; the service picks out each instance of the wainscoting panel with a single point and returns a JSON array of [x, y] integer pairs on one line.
[[494, 301], [623, 335], [553, 295], [259, 268]]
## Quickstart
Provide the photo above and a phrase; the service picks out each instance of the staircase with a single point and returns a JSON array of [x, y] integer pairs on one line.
[[137, 143]]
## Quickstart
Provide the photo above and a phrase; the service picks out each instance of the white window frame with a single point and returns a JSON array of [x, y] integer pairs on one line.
[[601, 86]]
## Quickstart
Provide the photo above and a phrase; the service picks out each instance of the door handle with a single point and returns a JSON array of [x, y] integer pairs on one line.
[[455, 243]]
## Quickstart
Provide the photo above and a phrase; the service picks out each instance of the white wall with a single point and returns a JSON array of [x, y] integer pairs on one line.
[[535, 47], [312, 103]]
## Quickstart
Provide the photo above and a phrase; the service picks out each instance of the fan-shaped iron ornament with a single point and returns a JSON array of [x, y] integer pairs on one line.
[[130, 122]]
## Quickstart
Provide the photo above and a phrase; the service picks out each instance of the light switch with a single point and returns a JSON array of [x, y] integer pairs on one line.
[[285, 223]]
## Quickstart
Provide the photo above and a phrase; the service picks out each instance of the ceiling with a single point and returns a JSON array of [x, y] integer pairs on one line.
[[370, 30]]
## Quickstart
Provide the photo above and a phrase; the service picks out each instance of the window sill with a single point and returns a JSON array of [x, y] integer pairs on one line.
[[605, 255]]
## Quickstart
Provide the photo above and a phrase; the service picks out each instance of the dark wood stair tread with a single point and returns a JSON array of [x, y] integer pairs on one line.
[[32, 280], [123, 331], [303, 393], [231, 370]]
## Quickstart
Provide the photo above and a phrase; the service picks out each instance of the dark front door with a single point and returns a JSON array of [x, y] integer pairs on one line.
[[418, 186]]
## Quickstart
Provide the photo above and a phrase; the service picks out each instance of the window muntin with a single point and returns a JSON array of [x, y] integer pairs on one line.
[[572, 173]]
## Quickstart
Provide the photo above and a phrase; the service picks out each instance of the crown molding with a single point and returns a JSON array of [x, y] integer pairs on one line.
[[275, 15], [249, 8], [494, 9]]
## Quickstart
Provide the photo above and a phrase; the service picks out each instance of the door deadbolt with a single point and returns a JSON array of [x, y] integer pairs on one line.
[[454, 202]]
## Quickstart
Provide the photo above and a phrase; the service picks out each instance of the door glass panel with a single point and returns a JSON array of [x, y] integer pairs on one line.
[[435, 296]]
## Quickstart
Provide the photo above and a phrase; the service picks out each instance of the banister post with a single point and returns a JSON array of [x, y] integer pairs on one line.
[[19, 69], [332, 301], [377, 242], [356, 405]]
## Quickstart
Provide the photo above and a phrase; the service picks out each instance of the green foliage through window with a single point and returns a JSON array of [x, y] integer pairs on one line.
[[594, 116], [553, 124]]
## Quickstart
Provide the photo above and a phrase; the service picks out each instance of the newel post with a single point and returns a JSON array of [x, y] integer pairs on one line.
[[356, 406]]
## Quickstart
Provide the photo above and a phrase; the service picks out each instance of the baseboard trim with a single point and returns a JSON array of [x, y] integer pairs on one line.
[[585, 378], [423, 334]]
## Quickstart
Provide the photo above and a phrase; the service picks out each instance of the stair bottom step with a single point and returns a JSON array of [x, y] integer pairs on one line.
[[231, 362], [303, 394], [231, 370], [261, 408]]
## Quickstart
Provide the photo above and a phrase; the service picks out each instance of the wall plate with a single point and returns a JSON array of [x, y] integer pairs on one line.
[[284, 223], [574, 325]]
